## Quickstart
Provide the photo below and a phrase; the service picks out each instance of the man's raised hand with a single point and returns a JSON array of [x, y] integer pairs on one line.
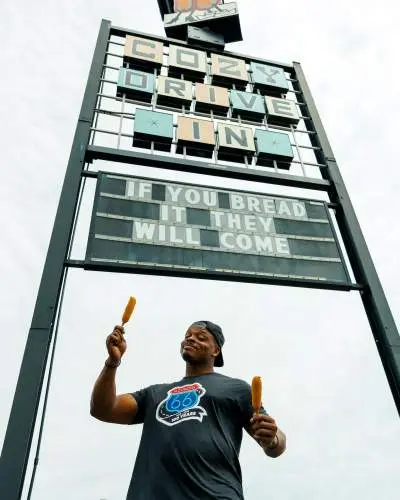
[[116, 344]]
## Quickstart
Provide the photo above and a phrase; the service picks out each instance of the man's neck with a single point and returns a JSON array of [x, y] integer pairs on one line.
[[196, 370]]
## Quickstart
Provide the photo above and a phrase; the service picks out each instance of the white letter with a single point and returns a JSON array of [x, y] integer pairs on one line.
[[130, 189], [173, 236], [299, 209], [192, 196], [164, 212], [210, 198], [253, 204], [224, 241], [144, 230], [174, 192], [269, 206], [283, 208], [161, 232], [237, 202], [282, 246], [217, 218], [190, 236], [244, 241], [266, 223], [143, 189], [264, 244], [250, 223], [179, 211], [234, 221]]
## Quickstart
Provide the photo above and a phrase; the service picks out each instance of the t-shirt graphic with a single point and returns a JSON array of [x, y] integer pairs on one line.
[[182, 404]]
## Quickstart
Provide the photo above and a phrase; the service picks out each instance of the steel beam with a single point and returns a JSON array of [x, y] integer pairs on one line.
[[198, 167], [373, 297], [21, 425], [195, 273]]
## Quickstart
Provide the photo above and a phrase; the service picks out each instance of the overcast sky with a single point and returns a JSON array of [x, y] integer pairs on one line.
[[324, 381]]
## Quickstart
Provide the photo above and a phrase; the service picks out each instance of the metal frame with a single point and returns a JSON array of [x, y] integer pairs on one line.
[[21, 425], [199, 167], [376, 306]]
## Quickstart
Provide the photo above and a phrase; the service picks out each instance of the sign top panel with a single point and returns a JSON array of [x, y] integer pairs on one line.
[[214, 16]]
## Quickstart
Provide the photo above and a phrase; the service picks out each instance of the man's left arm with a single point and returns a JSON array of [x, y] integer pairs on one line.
[[265, 431]]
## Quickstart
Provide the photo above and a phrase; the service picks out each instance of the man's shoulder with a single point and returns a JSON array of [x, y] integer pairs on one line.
[[237, 382], [164, 386]]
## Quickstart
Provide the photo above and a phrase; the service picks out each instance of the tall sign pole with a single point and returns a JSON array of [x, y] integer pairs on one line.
[[21, 425], [208, 112], [373, 297]]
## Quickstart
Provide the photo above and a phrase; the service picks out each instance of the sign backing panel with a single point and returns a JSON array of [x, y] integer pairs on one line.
[[140, 223]]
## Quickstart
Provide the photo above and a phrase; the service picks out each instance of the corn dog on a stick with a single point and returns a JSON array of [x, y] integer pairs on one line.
[[128, 310], [256, 392]]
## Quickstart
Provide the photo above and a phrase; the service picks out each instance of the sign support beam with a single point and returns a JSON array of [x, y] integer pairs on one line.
[[21, 425], [197, 167], [376, 306]]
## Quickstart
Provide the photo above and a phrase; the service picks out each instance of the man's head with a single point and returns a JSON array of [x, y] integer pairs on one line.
[[203, 343]]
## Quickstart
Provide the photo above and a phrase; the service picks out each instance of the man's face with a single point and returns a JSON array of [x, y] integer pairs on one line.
[[198, 345]]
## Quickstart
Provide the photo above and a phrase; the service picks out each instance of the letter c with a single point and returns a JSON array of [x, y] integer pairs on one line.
[[136, 51], [224, 237]]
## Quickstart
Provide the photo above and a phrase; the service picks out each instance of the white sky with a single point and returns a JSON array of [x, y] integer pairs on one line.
[[324, 382]]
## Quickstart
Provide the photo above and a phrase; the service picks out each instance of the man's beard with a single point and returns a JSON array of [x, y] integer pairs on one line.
[[186, 356]]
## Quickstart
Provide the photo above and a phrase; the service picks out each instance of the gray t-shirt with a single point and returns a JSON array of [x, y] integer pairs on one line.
[[191, 439]]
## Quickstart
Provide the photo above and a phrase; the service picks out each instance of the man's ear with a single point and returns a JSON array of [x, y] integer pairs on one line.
[[217, 350]]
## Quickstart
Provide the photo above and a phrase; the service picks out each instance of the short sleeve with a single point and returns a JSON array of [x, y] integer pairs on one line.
[[141, 398]]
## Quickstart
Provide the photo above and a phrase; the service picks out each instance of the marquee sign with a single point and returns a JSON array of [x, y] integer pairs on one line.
[[139, 222]]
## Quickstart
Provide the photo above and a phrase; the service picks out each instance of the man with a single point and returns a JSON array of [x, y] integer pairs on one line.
[[192, 429]]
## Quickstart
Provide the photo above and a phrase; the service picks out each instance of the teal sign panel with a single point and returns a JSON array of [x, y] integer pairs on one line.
[[273, 146], [269, 78], [137, 84], [152, 127], [154, 124], [247, 105]]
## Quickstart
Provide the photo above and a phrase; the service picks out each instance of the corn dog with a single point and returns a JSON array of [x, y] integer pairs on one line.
[[128, 310], [256, 391]]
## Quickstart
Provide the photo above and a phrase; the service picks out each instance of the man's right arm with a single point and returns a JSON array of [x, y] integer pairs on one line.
[[105, 405]]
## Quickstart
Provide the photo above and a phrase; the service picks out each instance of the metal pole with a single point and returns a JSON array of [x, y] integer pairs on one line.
[[21, 424], [376, 306]]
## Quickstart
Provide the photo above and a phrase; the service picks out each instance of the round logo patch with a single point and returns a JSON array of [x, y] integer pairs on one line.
[[181, 404]]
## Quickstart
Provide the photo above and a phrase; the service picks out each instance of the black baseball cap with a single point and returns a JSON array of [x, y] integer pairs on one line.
[[216, 332]]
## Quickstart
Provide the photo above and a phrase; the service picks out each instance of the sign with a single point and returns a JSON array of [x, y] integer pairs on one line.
[[229, 71], [186, 62], [139, 222], [223, 18], [143, 53], [191, 5], [247, 91], [232, 142]]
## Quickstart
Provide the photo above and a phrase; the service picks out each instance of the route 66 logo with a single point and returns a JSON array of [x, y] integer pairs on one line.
[[182, 403]]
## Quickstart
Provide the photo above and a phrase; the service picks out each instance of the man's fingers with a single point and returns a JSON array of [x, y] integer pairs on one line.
[[264, 433], [264, 425], [261, 418], [116, 338]]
